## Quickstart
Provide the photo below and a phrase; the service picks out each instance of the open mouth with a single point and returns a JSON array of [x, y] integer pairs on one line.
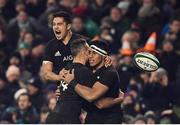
[[58, 32]]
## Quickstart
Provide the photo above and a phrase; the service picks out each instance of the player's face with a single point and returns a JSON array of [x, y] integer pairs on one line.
[[60, 28], [86, 53], [95, 59]]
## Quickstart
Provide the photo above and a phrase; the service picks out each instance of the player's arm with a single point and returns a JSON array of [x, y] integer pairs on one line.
[[91, 94], [99, 88], [47, 64], [48, 74], [108, 102]]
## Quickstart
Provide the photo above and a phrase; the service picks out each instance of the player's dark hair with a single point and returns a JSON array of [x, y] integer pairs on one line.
[[100, 44], [67, 16], [76, 46]]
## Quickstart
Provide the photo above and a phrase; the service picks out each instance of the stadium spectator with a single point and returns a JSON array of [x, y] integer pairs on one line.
[[4, 47], [15, 59], [12, 75], [19, 6], [118, 24], [22, 22], [140, 119], [24, 113], [129, 105], [52, 103], [78, 26], [35, 91], [43, 115], [101, 7], [173, 32], [6, 10], [126, 70], [151, 117], [169, 59], [155, 93], [3, 91]]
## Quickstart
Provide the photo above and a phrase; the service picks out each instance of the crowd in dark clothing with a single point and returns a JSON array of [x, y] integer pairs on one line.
[[25, 28]]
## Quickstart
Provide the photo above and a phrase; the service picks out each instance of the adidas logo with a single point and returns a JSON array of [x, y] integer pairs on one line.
[[57, 53]]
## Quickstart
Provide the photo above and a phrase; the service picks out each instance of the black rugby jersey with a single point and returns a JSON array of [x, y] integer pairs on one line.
[[58, 53], [110, 78], [70, 103]]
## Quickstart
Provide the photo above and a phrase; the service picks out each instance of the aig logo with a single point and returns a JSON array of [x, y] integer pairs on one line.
[[68, 58]]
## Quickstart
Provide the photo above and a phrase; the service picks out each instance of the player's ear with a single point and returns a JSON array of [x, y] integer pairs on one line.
[[69, 26]]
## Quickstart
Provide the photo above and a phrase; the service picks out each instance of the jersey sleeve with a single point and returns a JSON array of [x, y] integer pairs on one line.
[[108, 78], [48, 54], [91, 78]]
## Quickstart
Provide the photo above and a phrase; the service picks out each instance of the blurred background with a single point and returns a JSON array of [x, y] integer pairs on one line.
[[129, 26]]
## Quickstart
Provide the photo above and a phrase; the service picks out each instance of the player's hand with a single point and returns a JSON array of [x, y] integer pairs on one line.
[[121, 96], [108, 61], [63, 72], [67, 75]]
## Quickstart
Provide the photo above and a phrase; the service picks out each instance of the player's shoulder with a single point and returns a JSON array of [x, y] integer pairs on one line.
[[83, 69], [51, 42], [110, 70], [77, 67]]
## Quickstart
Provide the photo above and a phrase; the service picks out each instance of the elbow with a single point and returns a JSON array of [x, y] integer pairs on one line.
[[45, 75], [91, 98]]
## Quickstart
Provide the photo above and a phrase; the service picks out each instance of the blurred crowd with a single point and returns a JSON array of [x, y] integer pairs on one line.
[[129, 26]]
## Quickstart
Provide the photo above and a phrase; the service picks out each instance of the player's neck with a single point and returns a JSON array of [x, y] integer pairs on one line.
[[67, 38], [79, 59], [98, 67]]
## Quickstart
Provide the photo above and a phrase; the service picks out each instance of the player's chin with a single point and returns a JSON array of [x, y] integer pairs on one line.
[[91, 64], [58, 37]]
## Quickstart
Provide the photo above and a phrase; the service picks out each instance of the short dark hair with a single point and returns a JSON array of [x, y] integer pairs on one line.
[[66, 15], [175, 18], [76, 46]]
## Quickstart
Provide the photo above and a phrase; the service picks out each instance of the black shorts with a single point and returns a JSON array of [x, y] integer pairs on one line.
[[112, 118], [56, 118]]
